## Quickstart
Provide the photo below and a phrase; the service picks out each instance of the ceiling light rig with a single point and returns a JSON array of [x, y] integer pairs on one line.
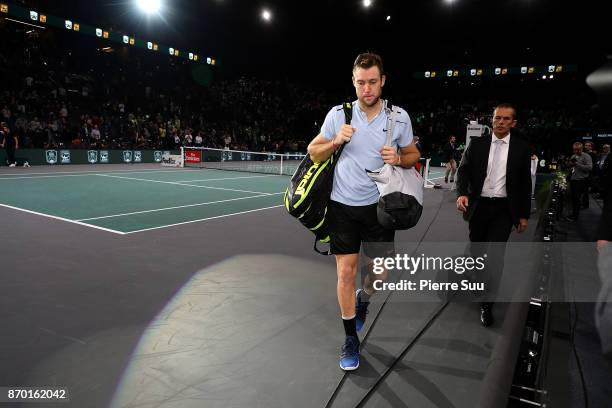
[[266, 15], [149, 6]]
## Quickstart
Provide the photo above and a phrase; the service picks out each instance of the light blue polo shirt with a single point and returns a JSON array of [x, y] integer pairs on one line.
[[352, 186]]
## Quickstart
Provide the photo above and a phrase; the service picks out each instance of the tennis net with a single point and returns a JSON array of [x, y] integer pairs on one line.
[[237, 160]]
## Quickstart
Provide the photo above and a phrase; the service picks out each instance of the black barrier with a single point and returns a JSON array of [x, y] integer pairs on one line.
[[530, 369], [84, 156]]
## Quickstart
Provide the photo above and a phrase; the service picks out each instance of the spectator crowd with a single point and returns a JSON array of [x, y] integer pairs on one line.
[[60, 93]]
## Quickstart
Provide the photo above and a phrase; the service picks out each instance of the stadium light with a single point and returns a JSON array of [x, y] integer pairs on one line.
[[149, 6], [388, 18], [367, 3], [266, 15]]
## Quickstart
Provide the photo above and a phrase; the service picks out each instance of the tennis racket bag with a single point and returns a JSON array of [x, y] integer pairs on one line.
[[310, 189]]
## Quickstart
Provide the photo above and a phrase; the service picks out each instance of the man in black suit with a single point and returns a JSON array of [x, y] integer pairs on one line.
[[494, 193], [449, 156], [604, 234], [603, 308]]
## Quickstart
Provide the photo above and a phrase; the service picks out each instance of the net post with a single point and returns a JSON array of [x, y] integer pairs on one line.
[[281, 164], [428, 183], [182, 156]]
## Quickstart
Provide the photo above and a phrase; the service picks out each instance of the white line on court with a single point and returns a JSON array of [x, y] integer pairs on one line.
[[42, 177], [62, 219], [179, 206], [202, 219], [15, 177], [87, 173], [438, 178], [228, 178], [181, 184]]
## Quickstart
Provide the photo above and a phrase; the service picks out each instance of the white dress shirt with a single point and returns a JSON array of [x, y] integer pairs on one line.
[[534, 167], [495, 182], [534, 171]]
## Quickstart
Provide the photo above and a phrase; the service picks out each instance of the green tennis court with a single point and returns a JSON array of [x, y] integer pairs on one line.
[[125, 202]]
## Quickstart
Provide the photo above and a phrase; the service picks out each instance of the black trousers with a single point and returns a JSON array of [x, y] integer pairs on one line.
[[490, 228], [585, 193], [10, 154], [578, 189]]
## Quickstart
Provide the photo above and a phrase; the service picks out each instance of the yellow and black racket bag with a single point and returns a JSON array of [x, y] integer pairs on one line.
[[310, 188]]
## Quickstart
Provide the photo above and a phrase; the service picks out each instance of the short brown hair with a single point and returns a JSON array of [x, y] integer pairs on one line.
[[507, 106], [368, 60]]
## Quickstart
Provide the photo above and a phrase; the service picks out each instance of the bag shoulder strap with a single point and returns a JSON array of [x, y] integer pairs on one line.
[[392, 115], [348, 112], [347, 107]]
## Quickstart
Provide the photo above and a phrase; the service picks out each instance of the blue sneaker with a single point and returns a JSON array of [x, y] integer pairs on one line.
[[349, 358], [361, 311]]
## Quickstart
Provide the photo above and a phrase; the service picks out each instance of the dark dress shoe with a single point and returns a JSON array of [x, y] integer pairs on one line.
[[486, 315]]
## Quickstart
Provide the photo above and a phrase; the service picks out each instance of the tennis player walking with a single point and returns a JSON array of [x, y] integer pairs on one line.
[[352, 209]]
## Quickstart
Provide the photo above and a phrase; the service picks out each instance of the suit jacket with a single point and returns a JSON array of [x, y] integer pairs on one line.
[[605, 227], [472, 172], [449, 153]]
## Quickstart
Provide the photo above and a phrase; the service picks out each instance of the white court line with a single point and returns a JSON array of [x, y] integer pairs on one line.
[[44, 177], [228, 178], [62, 219], [182, 184], [15, 177], [87, 173], [202, 219], [437, 178], [177, 207]]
